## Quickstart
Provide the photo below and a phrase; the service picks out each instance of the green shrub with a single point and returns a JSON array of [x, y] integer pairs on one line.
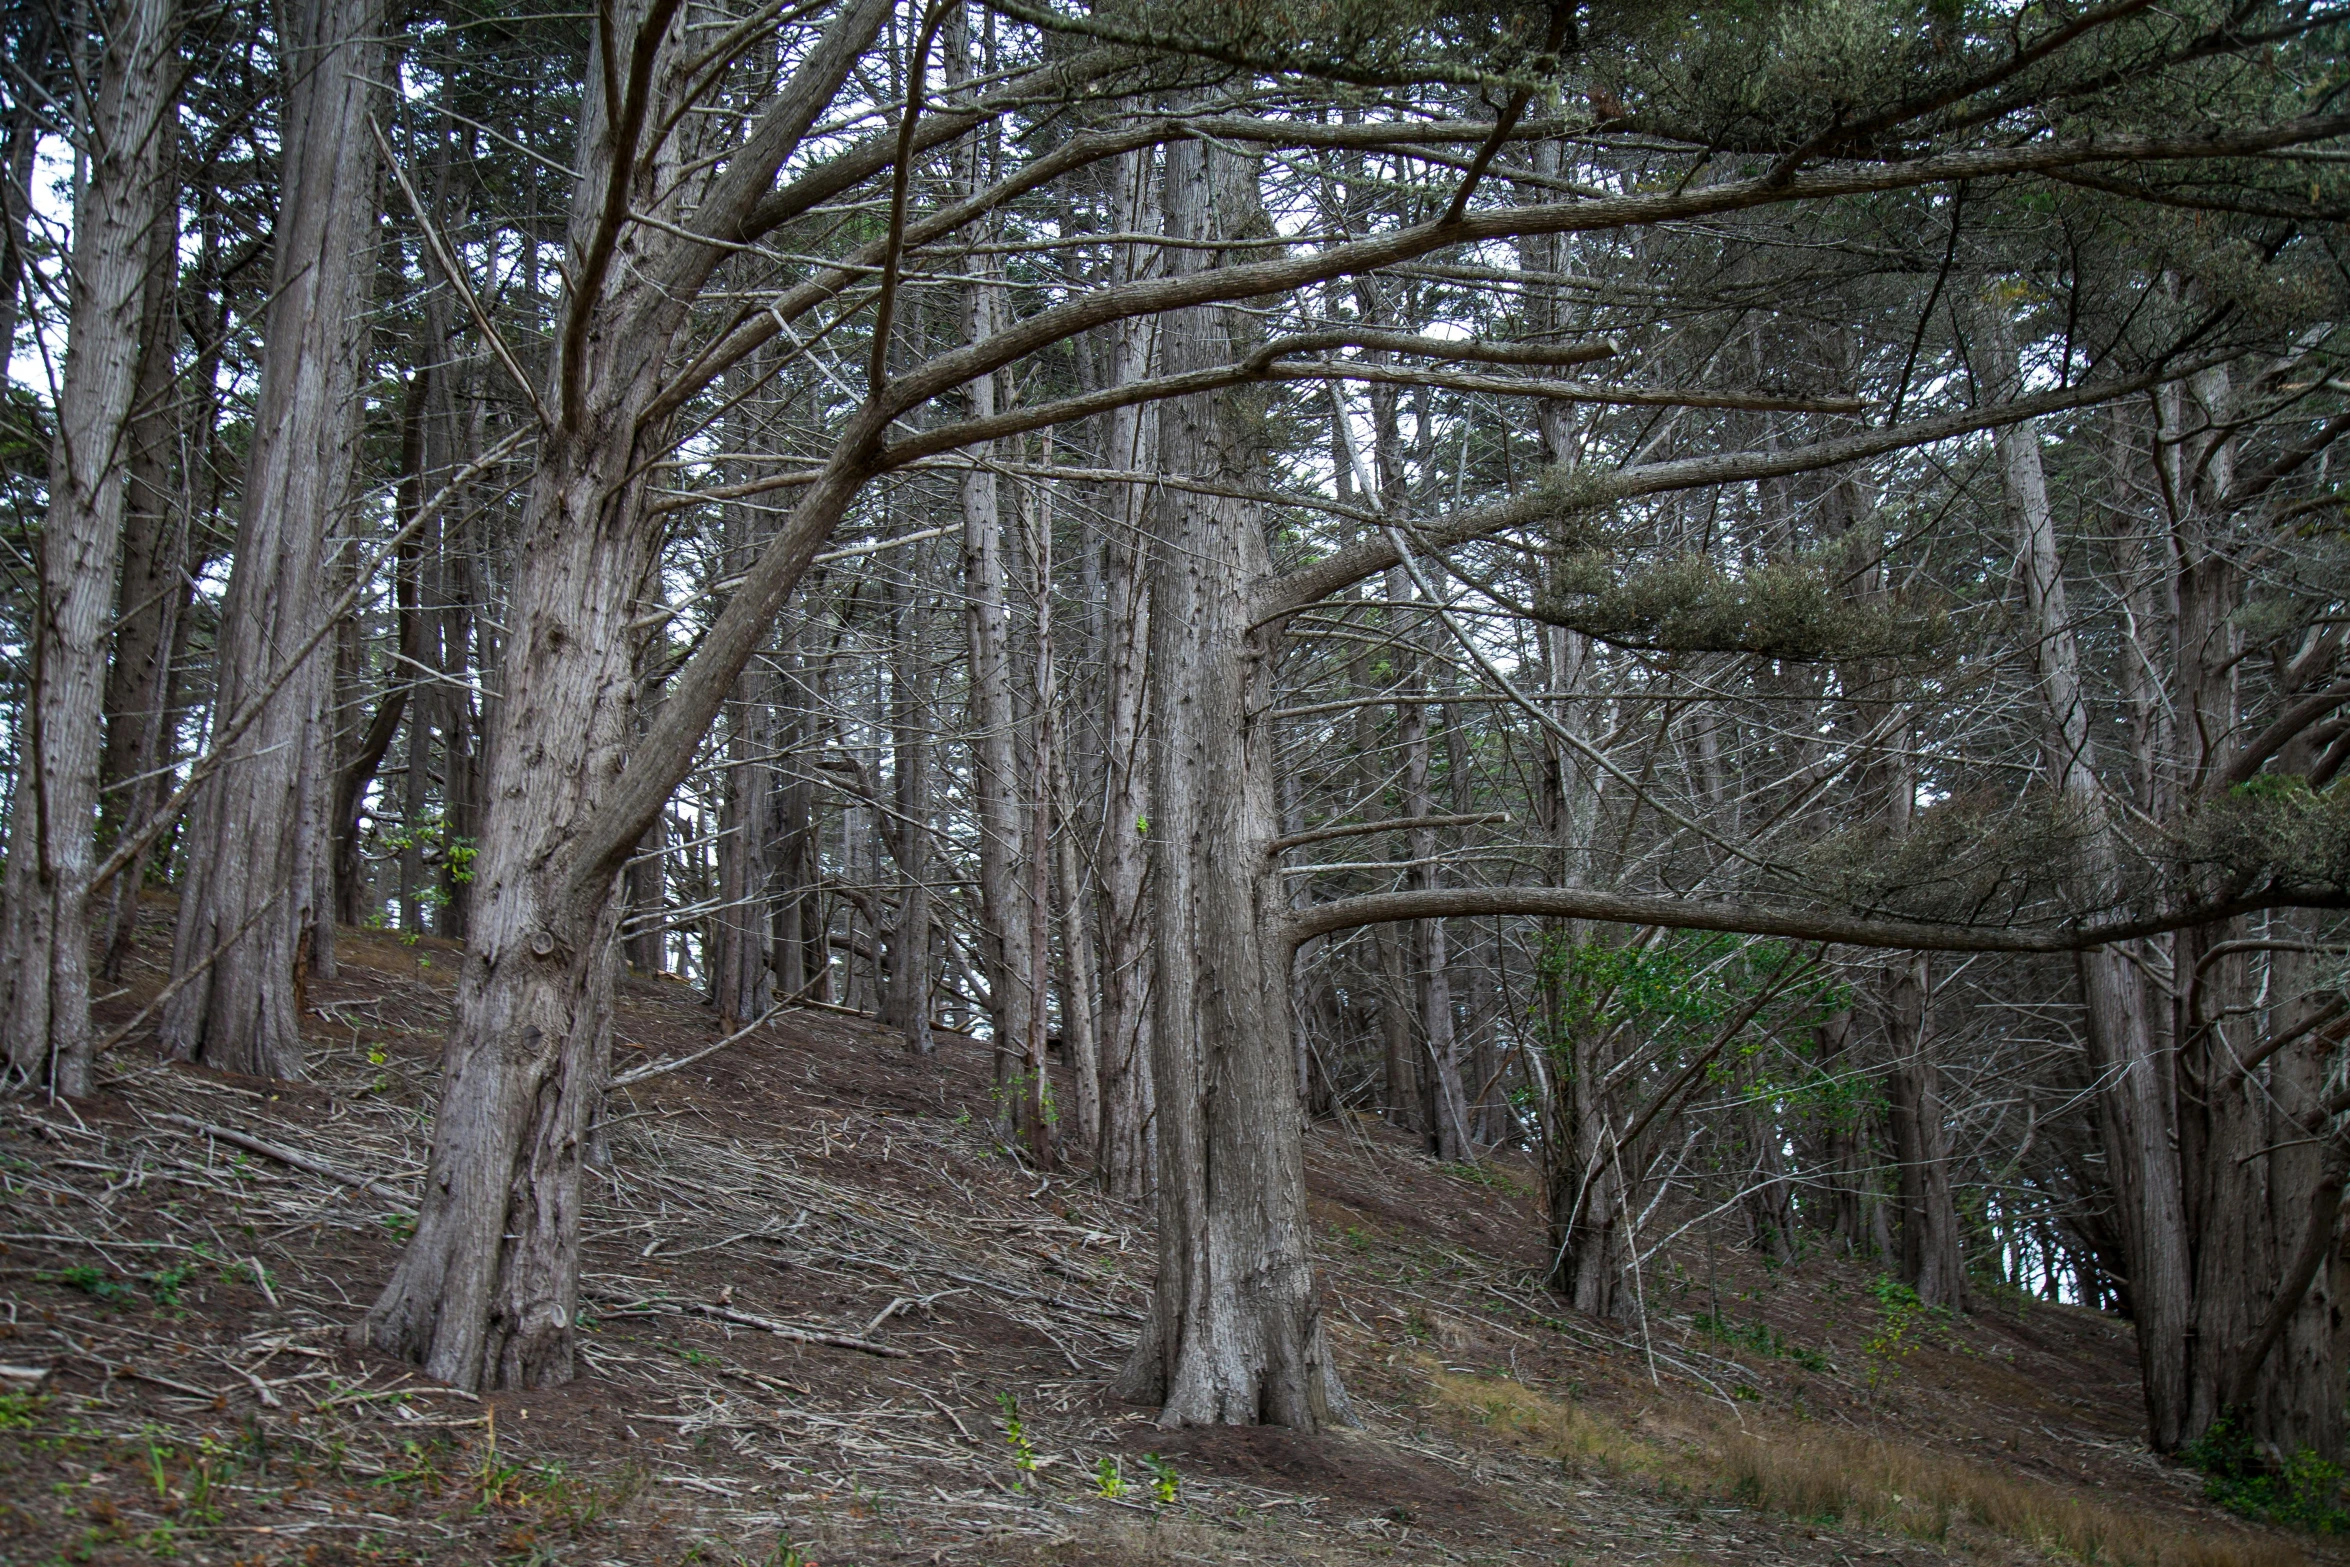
[[2303, 1492]]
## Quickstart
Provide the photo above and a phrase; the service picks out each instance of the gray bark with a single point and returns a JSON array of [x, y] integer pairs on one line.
[[262, 826], [1235, 1333], [45, 924]]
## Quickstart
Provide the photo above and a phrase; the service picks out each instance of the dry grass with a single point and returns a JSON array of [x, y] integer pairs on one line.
[[1550, 1426], [1836, 1476]]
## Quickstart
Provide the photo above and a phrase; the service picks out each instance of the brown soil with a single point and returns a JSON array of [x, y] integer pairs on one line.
[[815, 1176]]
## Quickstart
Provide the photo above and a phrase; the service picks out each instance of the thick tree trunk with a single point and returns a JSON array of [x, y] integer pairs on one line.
[[262, 831], [1235, 1333], [45, 924]]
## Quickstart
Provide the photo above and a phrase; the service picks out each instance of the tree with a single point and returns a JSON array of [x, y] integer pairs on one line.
[[123, 208]]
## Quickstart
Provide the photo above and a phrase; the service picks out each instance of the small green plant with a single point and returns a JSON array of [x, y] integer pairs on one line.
[[1109, 1477], [1016, 1437], [2303, 1492], [19, 1410], [165, 1284], [1165, 1482], [1904, 1325], [1760, 1337], [92, 1282], [695, 1357]]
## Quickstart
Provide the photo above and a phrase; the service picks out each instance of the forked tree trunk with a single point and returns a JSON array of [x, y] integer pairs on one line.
[[1235, 1333], [45, 925], [486, 1291], [262, 835]]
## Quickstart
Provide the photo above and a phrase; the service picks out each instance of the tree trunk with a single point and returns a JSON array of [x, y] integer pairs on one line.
[[151, 594], [1235, 1332], [1003, 910], [486, 1291], [1078, 985], [261, 832], [45, 924], [1123, 1158], [1930, 1261], [2132, 1073]]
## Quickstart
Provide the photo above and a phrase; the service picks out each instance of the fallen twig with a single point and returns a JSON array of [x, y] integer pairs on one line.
[[300, 1161], [744, 1319]]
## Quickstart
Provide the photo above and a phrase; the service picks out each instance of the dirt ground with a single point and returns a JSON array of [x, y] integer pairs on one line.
[[827, 1318]]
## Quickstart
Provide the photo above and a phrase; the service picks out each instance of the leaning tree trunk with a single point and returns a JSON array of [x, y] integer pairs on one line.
[[2135, 1118], [1235, 1333], [486, 1292], [45, 929], [262, 837]]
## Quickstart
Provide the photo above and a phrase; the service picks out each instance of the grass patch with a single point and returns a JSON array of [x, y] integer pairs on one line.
[[1840, 1477], [1847, 1477], [1553, 1427]]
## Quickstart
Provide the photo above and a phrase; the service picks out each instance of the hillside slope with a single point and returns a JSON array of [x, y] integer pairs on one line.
[[818, 1290]]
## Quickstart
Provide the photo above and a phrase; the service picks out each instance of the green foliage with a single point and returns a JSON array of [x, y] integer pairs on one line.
[[165, 1284], [1109, 1477], [1761, 1338], [2302, 1492], [1165, 1482], [93, 1282], [1016, 1437], [1790, 610], [1905, 1324], [1682, 987], [2276, 827]]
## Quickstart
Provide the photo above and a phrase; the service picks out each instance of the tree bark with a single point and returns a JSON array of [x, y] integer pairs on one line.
[[262, 828], [910, 974], [45, 923], [1235, 1333], [1004, 943], [2133, 1073], [1123, 1158], [152, 592], [486, 1292]]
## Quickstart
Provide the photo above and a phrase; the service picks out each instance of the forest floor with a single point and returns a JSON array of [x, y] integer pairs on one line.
[[179, 1262]]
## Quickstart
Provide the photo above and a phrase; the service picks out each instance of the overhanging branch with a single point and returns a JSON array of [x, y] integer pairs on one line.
[[1616, 908]]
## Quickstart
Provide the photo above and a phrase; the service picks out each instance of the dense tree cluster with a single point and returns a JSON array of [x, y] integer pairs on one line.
[[1748, 599]]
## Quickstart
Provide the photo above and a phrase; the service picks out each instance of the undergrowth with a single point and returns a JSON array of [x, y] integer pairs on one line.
[[2304, 1491]]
